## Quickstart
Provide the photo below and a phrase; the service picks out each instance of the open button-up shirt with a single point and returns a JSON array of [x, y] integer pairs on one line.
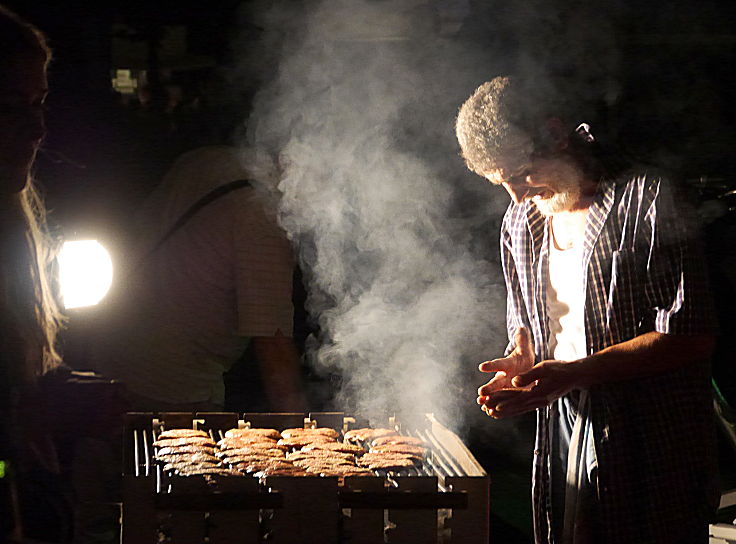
[[653, 437]]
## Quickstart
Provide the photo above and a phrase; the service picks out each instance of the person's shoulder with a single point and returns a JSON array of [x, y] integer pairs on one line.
[[642, 179], [642, 188]]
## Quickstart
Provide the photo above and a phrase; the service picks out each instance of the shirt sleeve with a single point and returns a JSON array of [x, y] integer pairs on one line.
[[264, 271], [677, 282]]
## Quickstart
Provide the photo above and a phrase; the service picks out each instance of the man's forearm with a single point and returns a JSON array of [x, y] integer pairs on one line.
[[646, 355]]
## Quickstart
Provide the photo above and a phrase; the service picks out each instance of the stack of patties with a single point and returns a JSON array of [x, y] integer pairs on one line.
[[188, 452], [388, 449], [317, 451], [255, 451]]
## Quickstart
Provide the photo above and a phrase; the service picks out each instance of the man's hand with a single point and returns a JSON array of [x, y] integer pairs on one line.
[[507, 368], [537, 388]]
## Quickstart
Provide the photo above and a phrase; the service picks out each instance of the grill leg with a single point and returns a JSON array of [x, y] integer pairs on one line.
[[414, 526], [238, 527], [365, 526], [186, 527], [470, 526], [139, 511], [310, 511]]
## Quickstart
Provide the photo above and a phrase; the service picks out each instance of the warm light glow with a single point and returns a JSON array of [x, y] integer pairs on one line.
[[85, 273]]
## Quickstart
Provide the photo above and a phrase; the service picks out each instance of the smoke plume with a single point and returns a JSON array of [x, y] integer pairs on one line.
[[398, 241]]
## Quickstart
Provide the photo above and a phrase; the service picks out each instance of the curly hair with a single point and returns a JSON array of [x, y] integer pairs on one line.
[[490, 126], [505, 121]]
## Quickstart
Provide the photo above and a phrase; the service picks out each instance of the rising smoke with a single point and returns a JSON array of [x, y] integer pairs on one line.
[[399, 242]]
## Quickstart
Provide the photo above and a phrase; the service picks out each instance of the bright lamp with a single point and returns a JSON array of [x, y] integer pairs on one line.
[[85, 273]]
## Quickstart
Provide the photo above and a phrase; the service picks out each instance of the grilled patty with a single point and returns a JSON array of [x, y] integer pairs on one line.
[[181, 433], [397, 439], [189, 464], [400, 448], [367, 433], [300, 441], [194, 471], [323, 431], [184, 441], [187, 457], [311, 454], [341, 447], [278, 471], [239, 442], [265, 433], [190, 448], [387, 463]]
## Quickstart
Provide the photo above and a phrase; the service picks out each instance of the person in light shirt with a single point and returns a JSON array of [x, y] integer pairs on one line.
[[190, 304], [610, 327]]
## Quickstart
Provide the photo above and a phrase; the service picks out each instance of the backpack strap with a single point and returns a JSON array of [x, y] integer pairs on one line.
[[210, 197]]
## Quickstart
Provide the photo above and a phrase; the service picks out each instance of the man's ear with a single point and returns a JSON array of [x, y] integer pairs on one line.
[[558, 133]]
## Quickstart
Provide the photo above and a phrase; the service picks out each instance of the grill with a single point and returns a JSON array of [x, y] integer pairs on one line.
[[443, 500]]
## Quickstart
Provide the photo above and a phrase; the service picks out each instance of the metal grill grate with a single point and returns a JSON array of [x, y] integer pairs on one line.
[[444, 499]]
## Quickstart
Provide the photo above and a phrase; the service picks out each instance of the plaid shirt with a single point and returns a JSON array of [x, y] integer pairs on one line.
[[653, 436]]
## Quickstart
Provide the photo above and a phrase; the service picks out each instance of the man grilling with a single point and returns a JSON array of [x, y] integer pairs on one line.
[[610, 329]]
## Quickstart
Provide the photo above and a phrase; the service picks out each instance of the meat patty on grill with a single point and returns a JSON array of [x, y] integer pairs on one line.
[[341, 447], [265, 452], [299, 441], [397, 439], [311, 454], [181, 433], [400, 448], [240, 442], [387, 464], [191, 448], [221, 471], [255, 466], [184, 441], [367, 433], [346, 470], [324, 431], [245, 459], [278, 471], [187, 457], [255, 432], [370, 457], [308, 464], [186, 464]]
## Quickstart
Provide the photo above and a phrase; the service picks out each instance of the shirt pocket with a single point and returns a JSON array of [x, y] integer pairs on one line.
[[625, 304]]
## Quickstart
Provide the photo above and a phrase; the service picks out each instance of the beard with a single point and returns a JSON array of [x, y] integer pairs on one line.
[[566, 196]]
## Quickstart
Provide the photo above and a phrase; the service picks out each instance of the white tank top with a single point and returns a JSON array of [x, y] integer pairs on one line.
[[566, 302]]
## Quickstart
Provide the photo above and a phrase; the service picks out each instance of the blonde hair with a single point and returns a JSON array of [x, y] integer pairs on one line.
[[30, 307], [31, 316]]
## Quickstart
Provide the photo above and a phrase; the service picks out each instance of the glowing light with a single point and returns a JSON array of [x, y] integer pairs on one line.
[[85, 273]]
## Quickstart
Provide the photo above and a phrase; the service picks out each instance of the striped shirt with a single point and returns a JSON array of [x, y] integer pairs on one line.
[[224, 277], [653, 437]]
